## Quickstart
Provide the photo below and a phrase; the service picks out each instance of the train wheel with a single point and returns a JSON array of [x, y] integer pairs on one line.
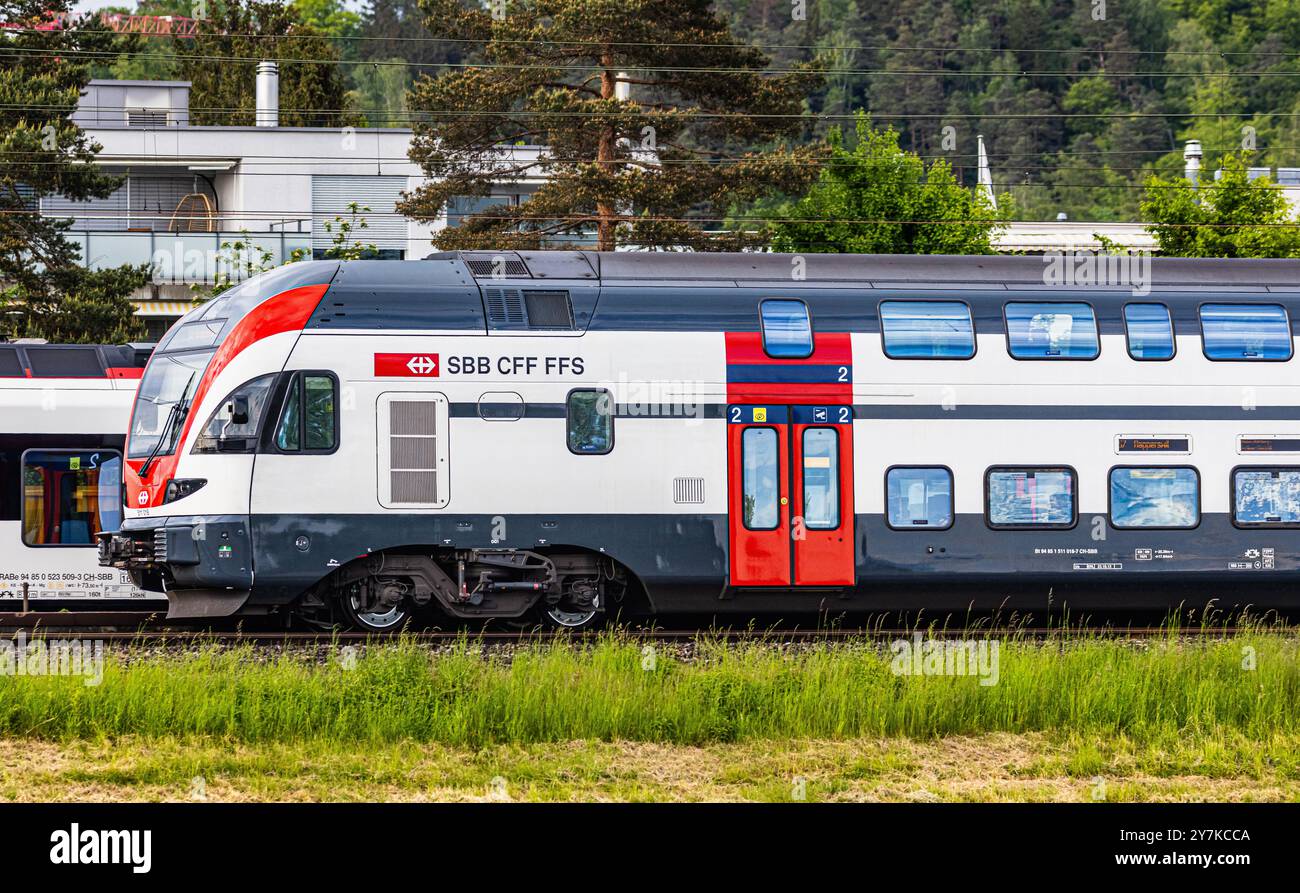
[[573, 617], [377, 621]]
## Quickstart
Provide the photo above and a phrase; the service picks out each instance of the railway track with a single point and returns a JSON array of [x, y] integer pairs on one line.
[[150, 628]]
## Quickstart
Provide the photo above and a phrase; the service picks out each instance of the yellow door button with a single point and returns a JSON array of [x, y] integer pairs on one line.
[[784, 501]]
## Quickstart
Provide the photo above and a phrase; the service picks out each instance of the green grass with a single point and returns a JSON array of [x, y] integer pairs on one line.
[[1163, 690]]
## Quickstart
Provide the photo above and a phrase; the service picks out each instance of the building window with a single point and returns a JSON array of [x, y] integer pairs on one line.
[[787, 329], [821, 479], [760, 472], [309, 421], [590, 422], [937, 330], [1245, 332], [1032, 498], [68, 497], [1051, 331], [1155, 497], [1150, 331], [1266, 497], [919, 498]]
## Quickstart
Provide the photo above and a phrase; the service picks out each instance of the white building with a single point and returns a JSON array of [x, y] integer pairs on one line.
[[188, 189]]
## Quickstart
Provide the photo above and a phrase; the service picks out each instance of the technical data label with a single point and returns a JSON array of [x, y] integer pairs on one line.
[[1142, 554], [1240, 565], [1099, 565], [1269, 559]]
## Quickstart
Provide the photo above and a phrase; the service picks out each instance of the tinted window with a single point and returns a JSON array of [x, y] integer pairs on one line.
[[10, 367], [787, 329], [1150, 331], [759, 478], [319, 412], [1245, 332], [1051, 331], [933, 329], [1268, 497], [288, 433], [919, 498], [1154, 497], [68, 497], [222, 434], [1030, 497], [65, 362], [591, 422], [821, 479]]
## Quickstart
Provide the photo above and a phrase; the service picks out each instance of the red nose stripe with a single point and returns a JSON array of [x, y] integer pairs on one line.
[[285, 312]]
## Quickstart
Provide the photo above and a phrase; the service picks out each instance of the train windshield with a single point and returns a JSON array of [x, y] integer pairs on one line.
[[166, 389]]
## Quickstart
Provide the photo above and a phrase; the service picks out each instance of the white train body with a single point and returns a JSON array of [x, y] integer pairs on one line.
[[958, 431]]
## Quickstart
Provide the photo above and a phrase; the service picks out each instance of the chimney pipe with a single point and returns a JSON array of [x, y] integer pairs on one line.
[[1192, 161], [268, 95]]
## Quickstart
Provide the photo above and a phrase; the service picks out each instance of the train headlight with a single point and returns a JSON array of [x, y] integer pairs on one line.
[[179, 488]]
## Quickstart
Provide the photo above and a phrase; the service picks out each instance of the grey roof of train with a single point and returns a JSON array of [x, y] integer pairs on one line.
[[867, 269]]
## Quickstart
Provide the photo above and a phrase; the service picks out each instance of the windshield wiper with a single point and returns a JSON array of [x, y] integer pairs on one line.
[[174, 417]]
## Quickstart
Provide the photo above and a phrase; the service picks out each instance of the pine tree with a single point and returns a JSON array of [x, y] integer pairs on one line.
[[44, 289], [699, 134]]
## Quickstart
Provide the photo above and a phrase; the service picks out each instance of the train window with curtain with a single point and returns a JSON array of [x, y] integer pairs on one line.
[[919, 498], [760, 478], [309, 419], [1266, 497], [933, 330], [1245, 332], [787, 329], [1030, 498], [1051, 331], [590, 413], [69, 496], [1150, 332], [821, 479], [1155, 497]]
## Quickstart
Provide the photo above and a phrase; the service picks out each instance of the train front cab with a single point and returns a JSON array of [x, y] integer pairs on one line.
[[790, 454]]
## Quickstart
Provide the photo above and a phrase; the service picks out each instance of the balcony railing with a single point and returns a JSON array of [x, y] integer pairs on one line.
[[179, 258]]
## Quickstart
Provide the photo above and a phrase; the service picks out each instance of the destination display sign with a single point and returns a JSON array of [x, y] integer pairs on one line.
[[1269, 443], [1169, 444]]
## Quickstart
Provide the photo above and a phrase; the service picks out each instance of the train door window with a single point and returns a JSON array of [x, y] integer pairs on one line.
[[590, 414], [1144, 496], [919, 498], [1030, 498], [1245, 332], [1051, 331], [935, 330], [309, 421], [68, 497], [1150, 331], [787, 329], [759, 461], [821, 478], [1266, 497]]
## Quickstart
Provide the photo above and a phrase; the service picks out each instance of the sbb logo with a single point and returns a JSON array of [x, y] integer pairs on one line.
[[417, 365]]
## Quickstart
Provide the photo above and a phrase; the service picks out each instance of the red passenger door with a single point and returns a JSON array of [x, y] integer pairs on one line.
[[790, 484]]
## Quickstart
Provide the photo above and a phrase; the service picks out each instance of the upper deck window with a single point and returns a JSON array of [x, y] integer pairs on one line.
[[940, 330], [787, 329], [1051, 331], [1245, 332], [1150, 331]]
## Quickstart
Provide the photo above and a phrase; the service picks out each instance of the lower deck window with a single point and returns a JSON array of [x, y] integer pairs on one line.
[[1033, 498], [590, 414], [1154, 497], [1266, 497], [68, 497], [919, 498]]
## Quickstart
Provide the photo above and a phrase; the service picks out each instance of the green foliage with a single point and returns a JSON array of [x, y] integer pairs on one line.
[[44, 290], [1233, 216], [343, 231], [312, 94], [877, 199], [687, 142]]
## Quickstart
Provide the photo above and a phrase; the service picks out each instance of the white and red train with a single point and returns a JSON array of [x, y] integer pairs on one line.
[[561, 434], [63, 415]]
